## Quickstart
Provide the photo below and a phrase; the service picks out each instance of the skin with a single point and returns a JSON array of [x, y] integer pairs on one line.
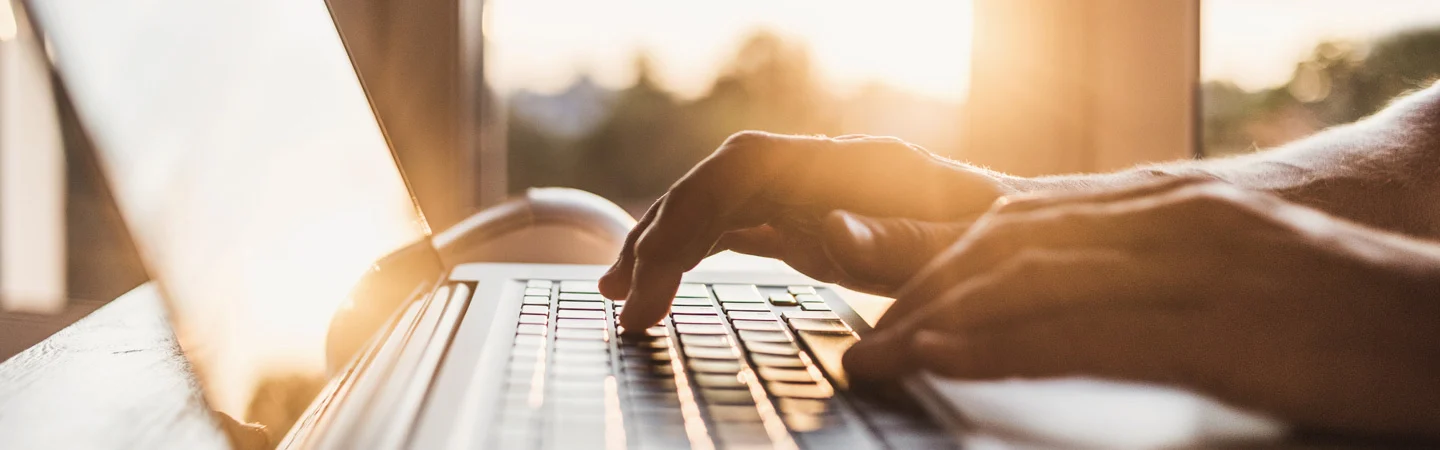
[[1290, 280]]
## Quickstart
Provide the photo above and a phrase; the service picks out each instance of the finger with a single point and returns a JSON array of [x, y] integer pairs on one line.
[[615, 283], [883, 251], [754, 175], [1142, 221], [884, 355], [764, 241], [1029, 288], [1129, 344]]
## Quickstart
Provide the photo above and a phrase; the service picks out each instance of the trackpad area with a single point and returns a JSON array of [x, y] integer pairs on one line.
[[1097, 413]]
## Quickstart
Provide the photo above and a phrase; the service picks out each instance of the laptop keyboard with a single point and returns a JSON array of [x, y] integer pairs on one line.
[[732, 366]]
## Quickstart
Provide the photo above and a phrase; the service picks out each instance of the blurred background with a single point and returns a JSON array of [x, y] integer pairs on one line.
[[621, 97]]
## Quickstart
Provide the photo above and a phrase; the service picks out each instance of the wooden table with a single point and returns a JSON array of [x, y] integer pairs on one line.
[[115, 379]]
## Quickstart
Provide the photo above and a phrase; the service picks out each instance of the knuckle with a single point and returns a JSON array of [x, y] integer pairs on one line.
[[747, 141], [649, 249]]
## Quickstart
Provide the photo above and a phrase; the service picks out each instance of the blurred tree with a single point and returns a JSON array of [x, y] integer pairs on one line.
[[632, 152], [648, 138], [1338, 82]]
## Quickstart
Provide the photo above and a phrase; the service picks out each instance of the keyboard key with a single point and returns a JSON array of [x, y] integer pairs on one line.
[[580, 371], [543, 284], [810, 315], [773, 348], [580, 314], [690, 328], [576, 296], [528, 341], [580, 358], [834, 326], [718, 381], [746, 435], [758, 325], [653, 371], [738, 293], [538, 319], [581, 346], [751, 315], [644, 342], [733, 413], [533, 300], [693, 310], [828, 349], [814, 391], [694, 318], [787, 375], [572, 304], [714, 366], [703, 340], [580, 323], [574, 333], [744, 307], [692, 290], [783, 362], [653, 385], [655, 331], [712, 352], [727, 396], [534, 309], [801, 290], [537, 292], [531, 329], [763, 336], [815, 306], [802, 406], [805, 423], [691, 302], [588, 287], [644, 354], [782, 299]]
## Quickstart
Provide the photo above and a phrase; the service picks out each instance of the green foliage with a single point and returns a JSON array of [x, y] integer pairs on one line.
[[1339, 82]]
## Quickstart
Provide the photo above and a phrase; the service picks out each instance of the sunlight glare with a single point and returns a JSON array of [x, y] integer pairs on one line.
[[915, 45]]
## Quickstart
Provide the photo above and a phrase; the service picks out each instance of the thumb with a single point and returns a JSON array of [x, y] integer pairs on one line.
[[884, 252]]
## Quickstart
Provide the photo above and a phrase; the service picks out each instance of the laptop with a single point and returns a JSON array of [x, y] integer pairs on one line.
[[259, 187]]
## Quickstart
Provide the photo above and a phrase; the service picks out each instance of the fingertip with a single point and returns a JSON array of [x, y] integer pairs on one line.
[[931, 341], [613, 285], [880, 358], [636, 320]]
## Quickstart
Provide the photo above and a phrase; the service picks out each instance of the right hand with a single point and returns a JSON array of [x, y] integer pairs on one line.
[[863, 212]]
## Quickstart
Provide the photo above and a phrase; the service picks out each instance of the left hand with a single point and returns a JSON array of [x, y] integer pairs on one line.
[[1262, 303]]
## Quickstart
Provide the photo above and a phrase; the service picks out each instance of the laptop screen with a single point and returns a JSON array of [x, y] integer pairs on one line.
[[247, 163]]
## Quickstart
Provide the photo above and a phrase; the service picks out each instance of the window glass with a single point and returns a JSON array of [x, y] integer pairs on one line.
[[622, 97], [1278, 70]]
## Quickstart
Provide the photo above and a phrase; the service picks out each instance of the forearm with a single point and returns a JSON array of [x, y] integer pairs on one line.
[[1383, 171]]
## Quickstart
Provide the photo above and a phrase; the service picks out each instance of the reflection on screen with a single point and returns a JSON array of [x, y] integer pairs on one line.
[[247, 163]]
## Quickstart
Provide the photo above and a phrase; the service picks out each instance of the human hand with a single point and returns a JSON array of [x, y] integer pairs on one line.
[[864, 212], [1262, 303]]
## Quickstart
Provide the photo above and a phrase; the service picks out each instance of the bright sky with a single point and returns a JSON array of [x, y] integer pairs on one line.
[[918, 45]]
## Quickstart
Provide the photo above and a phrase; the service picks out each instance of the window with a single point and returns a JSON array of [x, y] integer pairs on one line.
[[1277, 70], [622, 97]]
